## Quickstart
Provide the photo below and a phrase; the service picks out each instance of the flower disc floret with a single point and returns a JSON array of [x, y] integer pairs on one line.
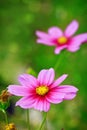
[[62, 40], [42, 90]]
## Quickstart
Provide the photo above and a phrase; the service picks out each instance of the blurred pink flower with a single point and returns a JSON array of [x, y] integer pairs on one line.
[[62, 40], [41, 92]]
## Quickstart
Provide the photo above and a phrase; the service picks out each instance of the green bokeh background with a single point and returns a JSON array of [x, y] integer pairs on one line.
[[19, 19]]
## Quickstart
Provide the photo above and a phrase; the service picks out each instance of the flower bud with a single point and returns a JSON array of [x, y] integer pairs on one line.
[[4, 96]]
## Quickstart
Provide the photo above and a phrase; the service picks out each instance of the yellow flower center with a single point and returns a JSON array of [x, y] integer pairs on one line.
[[42, 90], [10, 126], [62, 40]]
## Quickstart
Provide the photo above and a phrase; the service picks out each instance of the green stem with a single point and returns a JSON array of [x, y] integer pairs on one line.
[[28, 121], [6, 119], [58, 62], [45, 126], [44, 119]]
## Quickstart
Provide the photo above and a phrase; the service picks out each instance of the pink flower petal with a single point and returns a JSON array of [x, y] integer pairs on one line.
[[41, 76], [42, 105], [39, 105], [71, 28], [69, 96], [46, 105], [59, 80], [43, 35], [28, 80], [67, 89], [54, 96], [76, 42], [79, 39], [46, 77], [46, 42], [54, 100], [66, 92], [18, 90], [26, 102], [73, 48], [55, 32], [59, 49]]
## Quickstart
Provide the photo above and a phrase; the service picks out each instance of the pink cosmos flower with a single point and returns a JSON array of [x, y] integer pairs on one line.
[[61, 40], [41, 92]]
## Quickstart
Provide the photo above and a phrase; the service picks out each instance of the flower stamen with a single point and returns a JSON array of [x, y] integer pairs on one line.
[[42, 90], [62, 40]]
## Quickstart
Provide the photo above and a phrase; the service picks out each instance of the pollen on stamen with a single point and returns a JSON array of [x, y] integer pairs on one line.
[[62, 40], [42, 90]]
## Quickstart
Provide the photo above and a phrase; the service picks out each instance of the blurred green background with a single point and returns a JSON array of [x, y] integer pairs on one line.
[[19, 19]]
